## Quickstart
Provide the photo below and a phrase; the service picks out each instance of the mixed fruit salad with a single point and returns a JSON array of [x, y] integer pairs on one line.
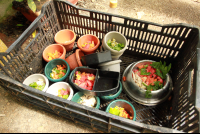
[[84, 80], [112, 43], [119, 111], [88, 45], [63, 93], [40, 84], [54, 55], [58, 72], [151, 76]]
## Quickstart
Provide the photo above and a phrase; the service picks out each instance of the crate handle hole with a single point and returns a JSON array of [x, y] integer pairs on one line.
[[84, 13], [154, 28]]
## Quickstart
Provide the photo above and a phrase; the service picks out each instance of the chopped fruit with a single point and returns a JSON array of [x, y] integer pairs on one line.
[[84, 80], [88, 45], [54, 55]]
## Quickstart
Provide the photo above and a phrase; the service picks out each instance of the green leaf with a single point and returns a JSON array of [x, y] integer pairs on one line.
[[143, 71], [159, 73], [31, 5], [57, 71], [19, 25]]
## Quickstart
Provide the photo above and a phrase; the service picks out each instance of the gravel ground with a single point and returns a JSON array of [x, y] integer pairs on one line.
[[20, 117]]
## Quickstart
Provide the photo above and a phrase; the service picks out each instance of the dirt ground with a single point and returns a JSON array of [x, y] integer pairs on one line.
[[21, 117]]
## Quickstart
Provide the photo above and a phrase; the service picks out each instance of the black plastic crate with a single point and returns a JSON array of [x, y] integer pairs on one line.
[[174, 43]]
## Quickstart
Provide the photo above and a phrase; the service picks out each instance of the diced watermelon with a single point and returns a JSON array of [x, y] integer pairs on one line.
[[77, 82], [90, 83], [161, 80], [83, 78], [83, 85], [66, 92]]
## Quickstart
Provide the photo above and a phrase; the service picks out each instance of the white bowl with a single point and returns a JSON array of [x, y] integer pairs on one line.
[[111, 66], [53, 89], [119, 38], [34, 77]]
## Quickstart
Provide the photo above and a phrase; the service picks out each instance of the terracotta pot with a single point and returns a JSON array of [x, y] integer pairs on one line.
[[85, 38], [25, 10], [74, 60], [51, 49], [65, 37]]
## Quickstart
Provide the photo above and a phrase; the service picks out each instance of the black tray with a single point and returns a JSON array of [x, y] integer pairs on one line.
[[174, 43]]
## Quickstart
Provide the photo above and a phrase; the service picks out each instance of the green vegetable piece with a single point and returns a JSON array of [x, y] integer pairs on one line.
[[34, 84], [51, 75], [145, 66], [64, 71], [40, 87], [60, 96], [143, 71], [114, 111], [60, 75], [65, 96], [57, 71]]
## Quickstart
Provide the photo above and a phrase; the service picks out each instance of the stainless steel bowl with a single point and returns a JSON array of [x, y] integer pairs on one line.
[[138, 94]]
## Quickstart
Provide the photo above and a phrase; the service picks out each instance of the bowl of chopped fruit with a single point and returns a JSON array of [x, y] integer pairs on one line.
[[57, 70], [54, 51], [61, 89], [122, 108], [37, 81], [88, 43], [148, 82]]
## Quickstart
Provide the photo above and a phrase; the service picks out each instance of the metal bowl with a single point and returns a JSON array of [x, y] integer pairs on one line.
[[138, 94]]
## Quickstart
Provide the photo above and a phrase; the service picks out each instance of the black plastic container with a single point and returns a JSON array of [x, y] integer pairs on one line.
[[178, 44], [92, 60], [106, 82]]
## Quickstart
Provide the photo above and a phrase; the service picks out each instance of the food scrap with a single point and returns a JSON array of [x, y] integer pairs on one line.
[[119, 111], [88, 100], [151, 76], [88, 45], [58, 72], [40, 84], [115, 45], [54, 55], [63, 93], [84, 80]]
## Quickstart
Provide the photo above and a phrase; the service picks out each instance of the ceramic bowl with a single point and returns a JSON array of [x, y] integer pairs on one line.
[[53, 63], [111, 66], [76, 98], [34, 77], [66, 37], [51, 49], [120, 38], [84, 39], [124, 104], [53, 89], [113, 96]]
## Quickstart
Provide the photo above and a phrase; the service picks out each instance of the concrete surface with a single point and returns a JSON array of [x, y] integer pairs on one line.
[[21, 117]]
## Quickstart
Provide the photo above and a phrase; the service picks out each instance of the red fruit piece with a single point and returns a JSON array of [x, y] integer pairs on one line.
[[83, 85], [89, 88], [87, 46]]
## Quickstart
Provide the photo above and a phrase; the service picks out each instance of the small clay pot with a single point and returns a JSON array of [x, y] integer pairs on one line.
[[65, 37], [74, 60], [85, 38], [51, 49]]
